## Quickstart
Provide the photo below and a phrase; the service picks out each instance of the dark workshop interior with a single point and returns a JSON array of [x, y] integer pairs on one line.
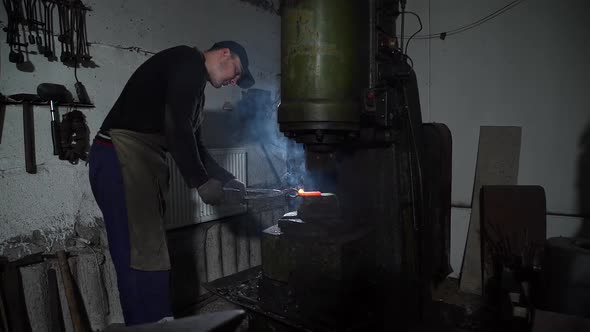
[[410, 165]]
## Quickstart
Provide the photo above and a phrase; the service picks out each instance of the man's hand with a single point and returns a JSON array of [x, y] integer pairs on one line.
[[211, 192], [235, 191]]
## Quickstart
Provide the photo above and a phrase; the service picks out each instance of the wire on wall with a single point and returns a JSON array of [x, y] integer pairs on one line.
[[135, 49], [268, 5], [415, 33], [475, 24]]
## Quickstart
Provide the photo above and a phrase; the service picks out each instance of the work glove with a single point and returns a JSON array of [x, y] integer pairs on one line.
[[211, 192], [235, 191]]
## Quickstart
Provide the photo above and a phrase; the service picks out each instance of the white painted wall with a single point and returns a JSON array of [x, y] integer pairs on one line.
[[528, 67], [59, 194]]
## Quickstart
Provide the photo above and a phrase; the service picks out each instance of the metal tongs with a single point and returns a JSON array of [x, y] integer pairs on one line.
[[258, 193]]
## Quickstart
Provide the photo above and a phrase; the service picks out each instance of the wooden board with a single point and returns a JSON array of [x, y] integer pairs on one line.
[[497, 164], [515, 217]]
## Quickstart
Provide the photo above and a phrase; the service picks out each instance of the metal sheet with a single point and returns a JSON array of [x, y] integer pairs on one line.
[[497, 164]]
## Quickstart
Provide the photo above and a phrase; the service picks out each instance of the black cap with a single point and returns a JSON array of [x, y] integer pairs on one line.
[[246, 79]]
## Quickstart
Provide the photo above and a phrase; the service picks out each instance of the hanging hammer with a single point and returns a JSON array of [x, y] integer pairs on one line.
[[28, 129], [54, 94]]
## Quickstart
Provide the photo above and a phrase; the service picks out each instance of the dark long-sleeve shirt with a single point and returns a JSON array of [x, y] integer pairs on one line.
[[165, 96]]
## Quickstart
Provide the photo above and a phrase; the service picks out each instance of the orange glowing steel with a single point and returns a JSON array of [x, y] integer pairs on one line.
[[300, 192]]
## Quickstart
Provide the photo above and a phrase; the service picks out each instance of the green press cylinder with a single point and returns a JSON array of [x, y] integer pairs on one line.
[[321, 66]]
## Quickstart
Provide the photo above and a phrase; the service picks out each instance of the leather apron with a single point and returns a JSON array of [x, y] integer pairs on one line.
[[146, 176], [145, 173]]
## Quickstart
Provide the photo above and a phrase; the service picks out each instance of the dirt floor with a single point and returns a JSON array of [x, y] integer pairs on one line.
[[453, 311]]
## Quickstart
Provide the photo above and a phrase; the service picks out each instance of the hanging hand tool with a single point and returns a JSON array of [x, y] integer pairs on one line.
[[52, 56], [67, 32], [75, 31], [83, 31], [9, 29], [75, 26], [33, 23], [48, 31], [46, 21], [80, 56], [20, 19], [28, 129], [54, 93], [63, 33], [40, 19], [37, 23], [29, 18], [12, 33]]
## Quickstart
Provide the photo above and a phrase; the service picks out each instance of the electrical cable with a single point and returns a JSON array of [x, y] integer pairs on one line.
[[411, 61], [415, 147], [485, 19], [417, 225], [415, 33], [472, 25], [418, 165], [403, 24]]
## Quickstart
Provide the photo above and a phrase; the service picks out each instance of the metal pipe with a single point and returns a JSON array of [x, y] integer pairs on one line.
[[372, 43], [549, 213]]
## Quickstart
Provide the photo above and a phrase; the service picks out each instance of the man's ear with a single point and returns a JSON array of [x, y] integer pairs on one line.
[[226, 52]]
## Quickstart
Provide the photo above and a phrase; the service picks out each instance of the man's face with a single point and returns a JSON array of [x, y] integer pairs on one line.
[[226, 69]]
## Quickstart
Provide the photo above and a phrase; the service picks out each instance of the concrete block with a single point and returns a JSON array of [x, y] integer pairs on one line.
[[35, 287]]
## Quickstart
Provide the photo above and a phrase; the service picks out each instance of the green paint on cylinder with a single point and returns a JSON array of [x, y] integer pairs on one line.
[[320, 63]]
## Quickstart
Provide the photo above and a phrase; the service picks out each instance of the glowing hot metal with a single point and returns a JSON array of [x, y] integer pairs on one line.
[[302, 193]]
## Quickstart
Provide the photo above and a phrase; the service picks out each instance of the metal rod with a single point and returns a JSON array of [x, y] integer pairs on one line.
[[29, 138], [549, 213]]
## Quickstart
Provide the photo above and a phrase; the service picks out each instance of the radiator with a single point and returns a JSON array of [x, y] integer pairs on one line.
[[184, 206]]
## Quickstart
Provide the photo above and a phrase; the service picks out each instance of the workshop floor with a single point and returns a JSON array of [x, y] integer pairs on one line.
[[461, 312], [208, 304], [458, 312], [212, 303]]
